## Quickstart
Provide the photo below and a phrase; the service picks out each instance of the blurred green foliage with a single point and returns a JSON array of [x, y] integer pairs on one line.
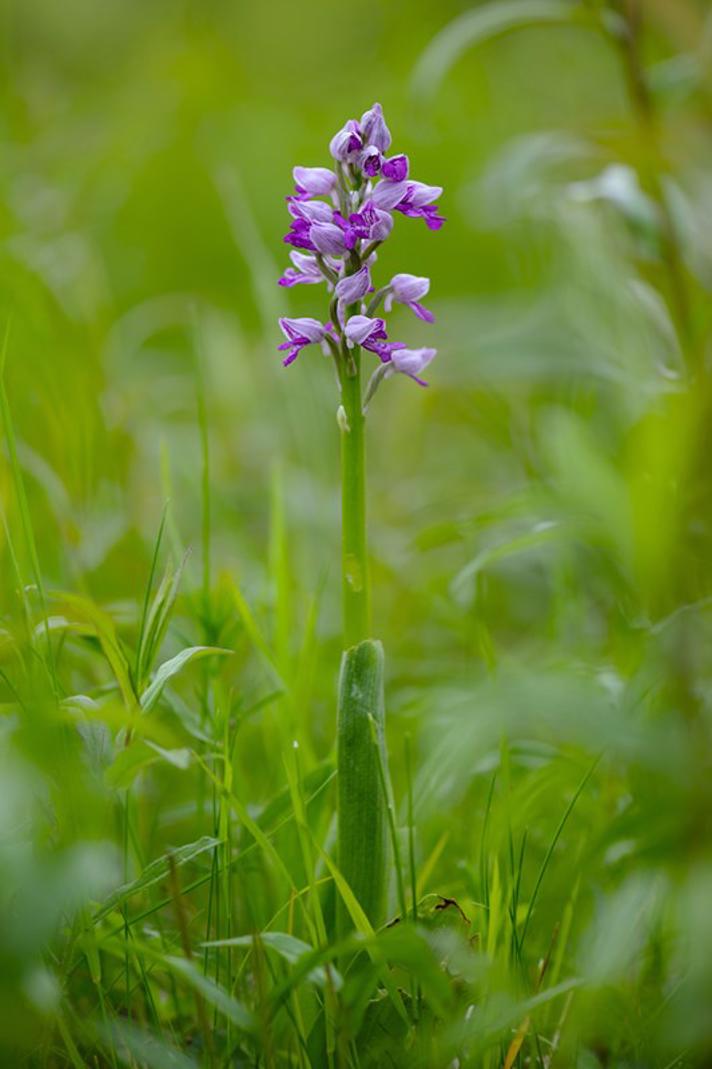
[[539, 523]]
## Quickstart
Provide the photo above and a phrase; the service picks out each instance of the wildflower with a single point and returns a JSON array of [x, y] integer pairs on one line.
[[314, 211], [314, 181], [347, 143], [306, 270], [371, 224], [416, 204], [387, 195], [360, 330], [299, 235], [338, 219], [328, 238], [300, 333], [371, 334], [408, 289], [411, 362], [352, 288]]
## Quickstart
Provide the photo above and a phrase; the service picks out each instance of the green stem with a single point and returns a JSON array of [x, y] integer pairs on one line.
[[356, 594]]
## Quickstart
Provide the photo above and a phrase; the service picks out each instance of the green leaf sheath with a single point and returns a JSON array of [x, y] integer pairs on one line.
[[362, 832], [356, 606]]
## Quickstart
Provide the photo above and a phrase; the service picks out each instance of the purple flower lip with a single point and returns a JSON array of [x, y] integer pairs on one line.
[[370, 161], [349, 229], [360, 330], [377, 223], [306, 270], [417, 204], [300, 333], [370, 224], [299, 235], [395, 169], [315, 181], [408, 289], [371, 334], [420, 194]]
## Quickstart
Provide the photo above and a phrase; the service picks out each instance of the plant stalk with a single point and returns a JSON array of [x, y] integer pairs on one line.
[[356, 592]]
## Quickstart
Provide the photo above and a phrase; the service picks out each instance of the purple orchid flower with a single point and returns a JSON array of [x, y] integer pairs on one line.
[[328, 238], [314, 211], [347, 143], [348, 229], [299, 235], [300, 333], [410, 362], [371, 334], [352, 288], [314, 181], [370, 224], [306, 270], [387, 195], [408, 289], [359, 330], [416, 204]]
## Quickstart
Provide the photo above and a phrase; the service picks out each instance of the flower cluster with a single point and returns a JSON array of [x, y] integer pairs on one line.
[[340, 216]]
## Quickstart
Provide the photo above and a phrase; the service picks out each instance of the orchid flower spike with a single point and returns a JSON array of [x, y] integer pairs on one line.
[[340, 215]]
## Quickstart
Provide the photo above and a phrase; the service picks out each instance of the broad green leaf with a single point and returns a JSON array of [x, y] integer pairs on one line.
[[179, 758], [171, 668], [362, 824]]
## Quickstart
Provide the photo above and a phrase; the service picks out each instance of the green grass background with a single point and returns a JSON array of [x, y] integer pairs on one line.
[[539, 522]]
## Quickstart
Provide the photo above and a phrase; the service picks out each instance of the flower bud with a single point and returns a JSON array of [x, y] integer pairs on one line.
[[374, 129], [347, 143]]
